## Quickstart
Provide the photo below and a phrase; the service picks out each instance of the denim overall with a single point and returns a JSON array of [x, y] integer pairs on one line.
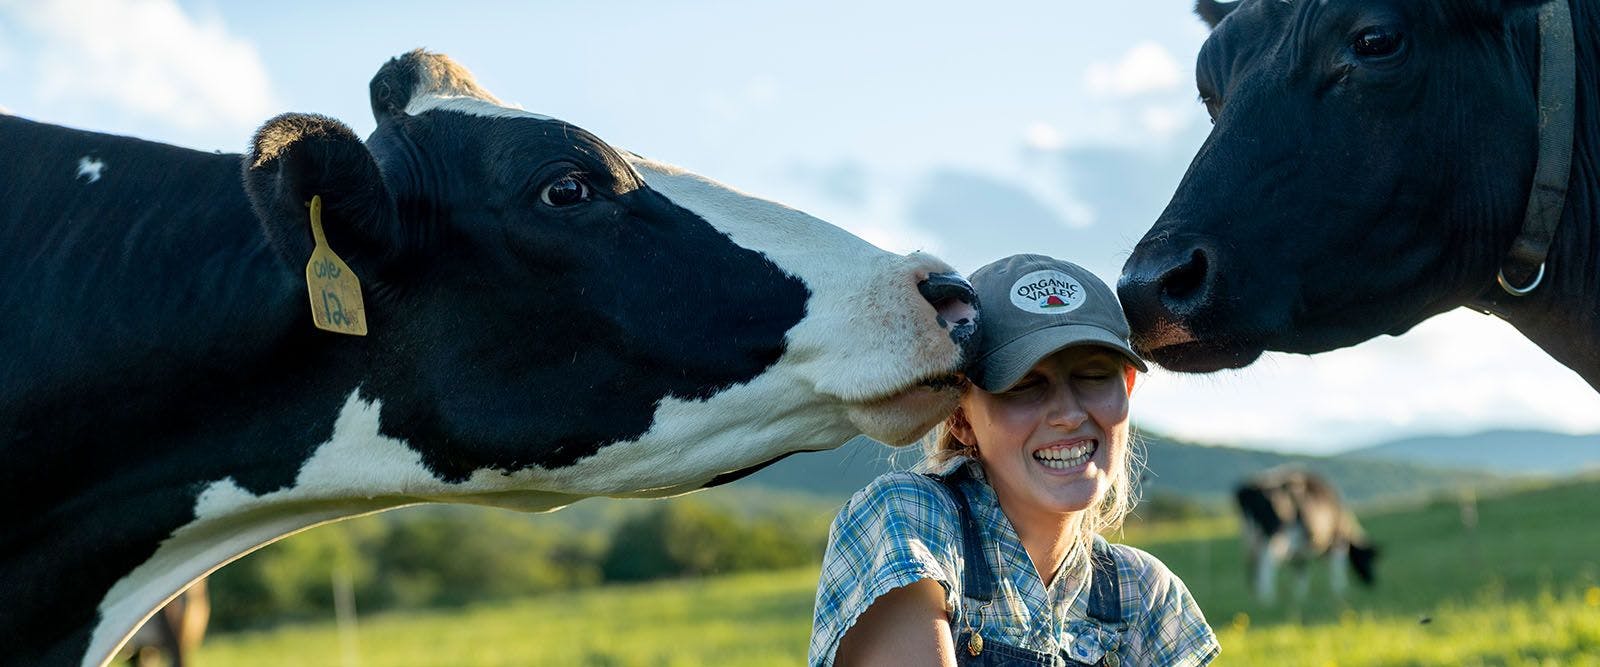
[[1094, 640]]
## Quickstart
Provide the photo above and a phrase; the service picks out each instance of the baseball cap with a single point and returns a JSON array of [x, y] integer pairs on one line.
[[1035, 305]]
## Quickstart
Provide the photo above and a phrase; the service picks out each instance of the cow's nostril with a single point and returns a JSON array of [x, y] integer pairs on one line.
[[1186, 281], [952, 299]]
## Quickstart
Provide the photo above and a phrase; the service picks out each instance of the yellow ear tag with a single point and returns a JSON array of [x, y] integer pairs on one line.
[[335, 293]]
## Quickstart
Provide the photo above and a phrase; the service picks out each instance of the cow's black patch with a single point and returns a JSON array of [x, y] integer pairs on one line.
[[1258, 509]]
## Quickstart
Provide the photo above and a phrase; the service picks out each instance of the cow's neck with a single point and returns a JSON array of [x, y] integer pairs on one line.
[[152, 440], [235, 480], [1563, 315]]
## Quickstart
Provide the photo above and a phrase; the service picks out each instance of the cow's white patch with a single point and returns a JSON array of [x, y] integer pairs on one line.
[[471, 106], [867, 331], [89, 168], [358, 471], [1048, 292]]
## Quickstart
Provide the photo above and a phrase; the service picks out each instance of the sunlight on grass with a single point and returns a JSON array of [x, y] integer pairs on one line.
[[1551, 630], [762, 619], [1520, 589]]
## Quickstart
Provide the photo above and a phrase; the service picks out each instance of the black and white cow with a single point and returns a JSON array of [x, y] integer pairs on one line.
[[548, 317], [1295, 517]]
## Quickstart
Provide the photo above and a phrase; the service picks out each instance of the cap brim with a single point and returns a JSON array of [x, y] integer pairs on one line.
[[1007, 364]]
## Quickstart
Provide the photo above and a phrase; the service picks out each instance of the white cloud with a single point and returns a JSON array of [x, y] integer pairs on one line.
[[1162, 122], [147, 57], [1043, 136], [1460, 372], [1144, 69]]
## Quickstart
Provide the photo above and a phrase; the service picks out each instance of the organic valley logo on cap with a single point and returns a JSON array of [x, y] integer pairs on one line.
[[1047, 292]]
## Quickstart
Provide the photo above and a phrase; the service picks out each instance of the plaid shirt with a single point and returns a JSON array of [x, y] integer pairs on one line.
[[904, 528]]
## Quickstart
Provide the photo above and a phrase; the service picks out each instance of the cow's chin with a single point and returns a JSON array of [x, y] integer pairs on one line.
[[902, 417], [1203, 356]]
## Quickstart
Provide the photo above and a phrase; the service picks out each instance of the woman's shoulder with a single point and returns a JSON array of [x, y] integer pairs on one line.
[[901, 496], [1168, 627], [1138, 561], [1143, 575], [902, 483], [901, 528]]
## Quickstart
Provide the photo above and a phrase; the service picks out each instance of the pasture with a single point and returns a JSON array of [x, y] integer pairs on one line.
[[1523, 588]]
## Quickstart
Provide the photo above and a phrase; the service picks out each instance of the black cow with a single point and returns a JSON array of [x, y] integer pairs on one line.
[[1370, 167], [1296, 517], [547, 317]]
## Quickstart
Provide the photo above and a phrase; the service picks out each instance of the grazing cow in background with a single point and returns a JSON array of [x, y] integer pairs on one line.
[[1296, 517], [1372, 165], [174, 632], [547, 318]]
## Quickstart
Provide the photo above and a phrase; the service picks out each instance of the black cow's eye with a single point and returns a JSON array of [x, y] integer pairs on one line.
[[1213, 107], [1376, 43], [565, 191]]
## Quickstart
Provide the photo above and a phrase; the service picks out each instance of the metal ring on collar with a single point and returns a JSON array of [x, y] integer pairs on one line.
[[1520, 291]]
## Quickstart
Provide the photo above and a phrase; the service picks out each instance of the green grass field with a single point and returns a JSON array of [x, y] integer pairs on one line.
[[1521, 589]]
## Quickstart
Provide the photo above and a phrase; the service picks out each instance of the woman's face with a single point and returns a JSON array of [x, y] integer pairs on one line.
[[1050, 443]]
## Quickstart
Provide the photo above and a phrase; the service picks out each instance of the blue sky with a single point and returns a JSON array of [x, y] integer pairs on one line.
[[1054, 127]]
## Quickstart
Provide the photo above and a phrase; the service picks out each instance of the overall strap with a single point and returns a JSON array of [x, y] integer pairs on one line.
[[977, 582], [1105, 593], [1089, 647]]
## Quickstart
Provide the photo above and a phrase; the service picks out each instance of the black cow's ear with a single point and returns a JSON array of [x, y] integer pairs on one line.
[[295, 157], [1212, 12]]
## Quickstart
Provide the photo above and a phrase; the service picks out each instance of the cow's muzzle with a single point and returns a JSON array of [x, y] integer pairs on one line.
[[956, 307]]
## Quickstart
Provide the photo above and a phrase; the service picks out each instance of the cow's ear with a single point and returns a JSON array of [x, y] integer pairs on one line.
[[295, 157], [1212, 12], [420, 73]]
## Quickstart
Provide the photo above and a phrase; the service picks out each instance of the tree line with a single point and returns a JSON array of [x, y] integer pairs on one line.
[[445, 557]]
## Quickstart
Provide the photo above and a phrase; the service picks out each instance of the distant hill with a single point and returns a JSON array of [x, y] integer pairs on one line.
[[1201, 472], [1209, 472], [1503, 452]]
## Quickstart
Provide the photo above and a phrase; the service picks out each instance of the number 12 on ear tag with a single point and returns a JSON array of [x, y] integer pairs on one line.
[[335, 292]]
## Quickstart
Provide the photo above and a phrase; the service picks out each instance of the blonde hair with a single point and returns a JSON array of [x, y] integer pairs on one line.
[[1107, 513]]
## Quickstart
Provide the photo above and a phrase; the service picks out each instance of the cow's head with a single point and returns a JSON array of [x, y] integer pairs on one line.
[[1368, 169], [549, 312]]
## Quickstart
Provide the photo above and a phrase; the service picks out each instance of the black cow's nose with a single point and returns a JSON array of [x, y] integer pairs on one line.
[[955, 304], [1184, 282], [1165, 283]]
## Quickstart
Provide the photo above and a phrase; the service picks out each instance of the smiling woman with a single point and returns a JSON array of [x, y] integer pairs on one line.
[[1023, 478]]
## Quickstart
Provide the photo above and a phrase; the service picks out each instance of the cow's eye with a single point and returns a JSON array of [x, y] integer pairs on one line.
[[565, 191], [1376, 43], [1213, 107]]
